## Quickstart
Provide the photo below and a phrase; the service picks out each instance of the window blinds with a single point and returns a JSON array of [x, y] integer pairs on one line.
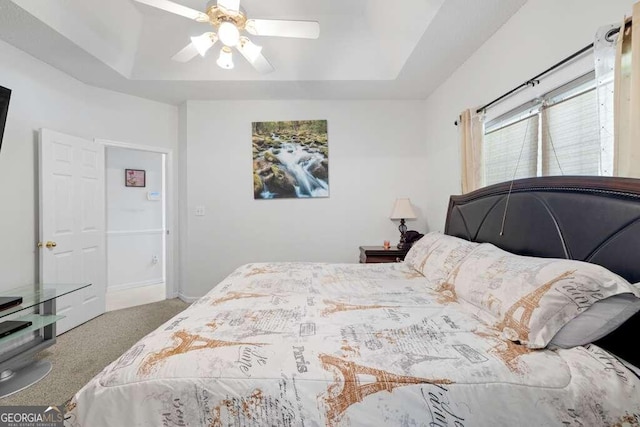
[[502, 149], [566, 136], [571, 136]]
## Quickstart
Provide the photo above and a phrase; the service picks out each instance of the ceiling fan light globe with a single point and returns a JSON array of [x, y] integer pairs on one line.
[[225, 60], [203, 43], [228, 34]]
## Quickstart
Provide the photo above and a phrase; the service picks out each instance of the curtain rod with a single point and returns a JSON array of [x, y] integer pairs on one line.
[[536, 80]]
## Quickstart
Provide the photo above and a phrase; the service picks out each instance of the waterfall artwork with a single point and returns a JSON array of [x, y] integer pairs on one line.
[[290, 159]]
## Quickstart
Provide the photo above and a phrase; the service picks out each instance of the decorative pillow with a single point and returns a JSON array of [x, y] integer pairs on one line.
[[531, 299], [599, 320], [436, 255]]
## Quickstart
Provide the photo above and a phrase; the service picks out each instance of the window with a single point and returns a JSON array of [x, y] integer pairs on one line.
[[557, 134]]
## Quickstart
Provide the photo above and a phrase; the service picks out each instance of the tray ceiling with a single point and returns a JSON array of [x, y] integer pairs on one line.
[[368, 49]]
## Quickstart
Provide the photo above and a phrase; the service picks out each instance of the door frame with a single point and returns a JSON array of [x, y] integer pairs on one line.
[[169, 199]]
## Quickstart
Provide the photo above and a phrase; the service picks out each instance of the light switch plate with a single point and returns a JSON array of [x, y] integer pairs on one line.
[[199, 210]]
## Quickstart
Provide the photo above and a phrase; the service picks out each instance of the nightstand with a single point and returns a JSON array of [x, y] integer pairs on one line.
[[377, 254]]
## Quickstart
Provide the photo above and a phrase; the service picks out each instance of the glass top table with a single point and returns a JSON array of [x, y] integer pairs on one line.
[[33, 295], [19, 368]]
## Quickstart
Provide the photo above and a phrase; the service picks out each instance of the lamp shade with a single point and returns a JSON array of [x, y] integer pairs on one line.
[[203, 42], [402, 210], [225, 60]]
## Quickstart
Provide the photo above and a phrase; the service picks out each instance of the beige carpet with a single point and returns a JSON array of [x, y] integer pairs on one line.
[[81, 353]]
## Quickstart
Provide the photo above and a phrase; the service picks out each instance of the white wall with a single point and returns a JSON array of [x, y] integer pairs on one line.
[[135, 224], [539, 35], [44, 97], [376, 153]]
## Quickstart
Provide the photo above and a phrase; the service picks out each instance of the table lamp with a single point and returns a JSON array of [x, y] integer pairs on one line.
[[402, 210]]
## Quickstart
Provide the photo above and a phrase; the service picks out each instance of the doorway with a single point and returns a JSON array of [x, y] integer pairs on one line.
[[137, 218]]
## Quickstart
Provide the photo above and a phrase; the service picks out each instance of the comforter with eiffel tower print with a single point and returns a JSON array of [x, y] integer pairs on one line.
[[306, 344]]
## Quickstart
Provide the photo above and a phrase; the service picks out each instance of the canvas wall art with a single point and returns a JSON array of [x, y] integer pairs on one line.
[[290, 159]]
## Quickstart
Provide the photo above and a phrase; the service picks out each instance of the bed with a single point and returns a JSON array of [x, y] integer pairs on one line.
[[398, 344]]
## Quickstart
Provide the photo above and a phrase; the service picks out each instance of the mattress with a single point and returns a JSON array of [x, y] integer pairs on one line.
[[279, 344]]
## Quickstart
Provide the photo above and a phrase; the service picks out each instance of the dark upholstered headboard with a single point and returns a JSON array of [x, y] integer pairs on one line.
[[592, 219]]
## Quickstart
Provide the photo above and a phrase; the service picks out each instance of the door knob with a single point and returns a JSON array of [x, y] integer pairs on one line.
[[48, 245]]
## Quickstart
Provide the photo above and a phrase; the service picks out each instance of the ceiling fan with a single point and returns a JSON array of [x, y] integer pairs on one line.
[[230, 20]]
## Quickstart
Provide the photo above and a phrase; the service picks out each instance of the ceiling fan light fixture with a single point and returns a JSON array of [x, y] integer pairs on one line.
[[203, 42], [225, 60], [250, 50], [229, 21], [229, 34]]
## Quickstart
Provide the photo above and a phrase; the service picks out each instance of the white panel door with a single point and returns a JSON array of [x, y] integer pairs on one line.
[[72, 217]]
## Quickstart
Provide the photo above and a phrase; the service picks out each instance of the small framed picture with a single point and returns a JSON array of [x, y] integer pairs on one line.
[[134, 178]]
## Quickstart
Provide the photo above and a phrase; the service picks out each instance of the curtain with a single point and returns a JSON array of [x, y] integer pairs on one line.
[[627, 99], [471, 150]]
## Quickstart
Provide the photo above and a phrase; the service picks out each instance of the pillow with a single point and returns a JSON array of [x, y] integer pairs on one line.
[[599, 320], [435, 255], [530, 299]]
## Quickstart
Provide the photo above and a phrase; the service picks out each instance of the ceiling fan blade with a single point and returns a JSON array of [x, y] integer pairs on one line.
[[279, 28], [186, 54], [176, 8], [233, 5], [253, 54], [262, 65]]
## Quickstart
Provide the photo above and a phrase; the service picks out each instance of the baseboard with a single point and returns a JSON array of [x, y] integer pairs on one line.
[[188, 299], [119, 299], [132, 285]]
